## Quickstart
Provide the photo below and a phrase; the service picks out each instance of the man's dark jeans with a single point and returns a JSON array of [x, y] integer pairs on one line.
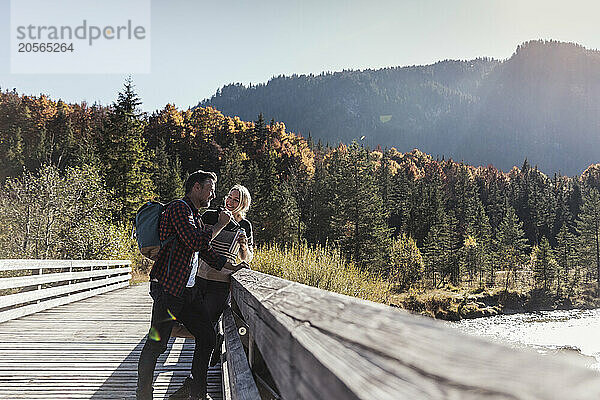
[[189, 310]]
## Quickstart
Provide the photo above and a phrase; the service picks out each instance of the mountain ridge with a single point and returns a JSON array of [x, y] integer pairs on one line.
[[542, 103]]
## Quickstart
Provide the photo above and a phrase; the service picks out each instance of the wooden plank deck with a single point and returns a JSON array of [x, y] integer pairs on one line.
[[89, 350]]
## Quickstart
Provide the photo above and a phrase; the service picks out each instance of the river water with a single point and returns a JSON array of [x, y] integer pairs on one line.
[[545, 331]]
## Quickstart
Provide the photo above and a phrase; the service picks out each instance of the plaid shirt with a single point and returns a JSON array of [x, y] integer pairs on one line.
[[184, 221]]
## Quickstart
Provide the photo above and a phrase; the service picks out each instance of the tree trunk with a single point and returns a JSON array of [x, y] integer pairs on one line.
[[27, 232], [47, 233], [597, 263]]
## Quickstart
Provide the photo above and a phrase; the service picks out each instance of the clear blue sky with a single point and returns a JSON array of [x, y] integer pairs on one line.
[[198, 46]]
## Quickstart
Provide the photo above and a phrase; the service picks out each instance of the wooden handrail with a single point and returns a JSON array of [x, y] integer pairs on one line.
[[65, 287], [238, 382], [14, 264], [322, 345], [30, 280]]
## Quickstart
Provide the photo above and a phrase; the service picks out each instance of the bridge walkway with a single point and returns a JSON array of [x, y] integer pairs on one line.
[[89, 350]]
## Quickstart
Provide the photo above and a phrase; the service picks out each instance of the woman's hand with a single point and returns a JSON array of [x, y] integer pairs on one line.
[[243, 241], [246, 253]]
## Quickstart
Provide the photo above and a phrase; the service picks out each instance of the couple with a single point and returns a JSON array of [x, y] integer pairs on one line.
[[189, 282]]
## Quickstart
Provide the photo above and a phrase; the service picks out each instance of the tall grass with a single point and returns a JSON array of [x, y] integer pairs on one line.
[[320, 266]]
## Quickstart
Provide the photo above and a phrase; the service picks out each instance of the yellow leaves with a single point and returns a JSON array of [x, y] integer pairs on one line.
[[171, 115], [470, 242]]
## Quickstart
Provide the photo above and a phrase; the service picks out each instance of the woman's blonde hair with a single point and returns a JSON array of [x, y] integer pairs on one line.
[[245, 200]]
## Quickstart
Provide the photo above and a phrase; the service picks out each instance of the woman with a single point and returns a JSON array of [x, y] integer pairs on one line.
[[213, 284], [237, 202]]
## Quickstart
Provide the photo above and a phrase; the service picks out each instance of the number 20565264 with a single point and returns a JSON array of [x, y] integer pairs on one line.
[[45, 47]]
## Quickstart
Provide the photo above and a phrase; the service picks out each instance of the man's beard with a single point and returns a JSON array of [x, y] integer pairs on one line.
[[204, 203]]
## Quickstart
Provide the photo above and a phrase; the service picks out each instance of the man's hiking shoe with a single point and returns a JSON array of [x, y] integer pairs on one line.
[[215, 357]]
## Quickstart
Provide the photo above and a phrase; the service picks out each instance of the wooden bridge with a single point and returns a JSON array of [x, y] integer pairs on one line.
[[75, 330]]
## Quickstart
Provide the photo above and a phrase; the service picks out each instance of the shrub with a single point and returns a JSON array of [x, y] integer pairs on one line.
[[407, 262], [320, 266], [49, 214]]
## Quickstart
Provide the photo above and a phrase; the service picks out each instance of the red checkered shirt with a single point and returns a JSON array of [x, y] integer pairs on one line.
[[182, 219]]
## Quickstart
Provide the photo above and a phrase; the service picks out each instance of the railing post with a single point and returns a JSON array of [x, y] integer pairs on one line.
[[39, 287], [70, 280]]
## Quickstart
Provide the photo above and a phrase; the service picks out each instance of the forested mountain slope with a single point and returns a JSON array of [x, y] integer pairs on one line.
[[542, 103]]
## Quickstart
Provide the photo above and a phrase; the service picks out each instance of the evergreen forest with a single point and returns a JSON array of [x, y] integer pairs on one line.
[[73, 176]]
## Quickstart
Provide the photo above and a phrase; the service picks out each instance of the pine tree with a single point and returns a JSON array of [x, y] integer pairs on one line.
[[433, 254], [127, 167], [495, 257], [260, 131], [566, 257], [399, 202], [451, 243], [275, 213], [497, 199], [427, 204], [589, 226], [320, 203], [544, 266], [561, 213], [496, 210], [12, 146], [299, 185], [471, 255], [167, 181], [284, 214], [358, 217], [512, 244], [440, 250], [232, 170], [575, 200], [534, 202], [464, 200], [478, 244], [383, 177]]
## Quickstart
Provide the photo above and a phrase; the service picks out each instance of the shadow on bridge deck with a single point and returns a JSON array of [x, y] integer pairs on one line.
[[89, 350]]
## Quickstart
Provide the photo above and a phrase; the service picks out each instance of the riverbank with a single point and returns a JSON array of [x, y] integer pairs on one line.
[[454, 304]]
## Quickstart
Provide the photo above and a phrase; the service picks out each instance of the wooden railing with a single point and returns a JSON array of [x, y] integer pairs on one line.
[[284, 340], [238, 382], [321, 345], [29, 286]]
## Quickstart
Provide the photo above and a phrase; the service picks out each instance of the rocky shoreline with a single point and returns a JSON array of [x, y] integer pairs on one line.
[[453, 306]]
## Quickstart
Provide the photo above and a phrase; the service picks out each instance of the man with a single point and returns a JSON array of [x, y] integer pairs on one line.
[[172, 282]]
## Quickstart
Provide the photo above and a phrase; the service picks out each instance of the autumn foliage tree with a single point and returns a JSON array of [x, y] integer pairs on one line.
[[383, 209]]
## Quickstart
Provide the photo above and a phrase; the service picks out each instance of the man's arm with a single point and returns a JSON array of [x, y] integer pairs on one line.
[[194, 238], [235, 267]]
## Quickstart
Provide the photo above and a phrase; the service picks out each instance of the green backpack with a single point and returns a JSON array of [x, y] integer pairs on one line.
[[146, 229]]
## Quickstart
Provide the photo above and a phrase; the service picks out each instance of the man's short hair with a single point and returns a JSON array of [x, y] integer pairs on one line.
[[201, 177]]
